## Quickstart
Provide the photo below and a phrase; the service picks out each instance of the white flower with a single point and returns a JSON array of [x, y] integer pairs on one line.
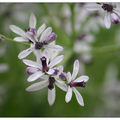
[[50, 82], [43, 66], [72, 83], [108, 9], [31, 35]]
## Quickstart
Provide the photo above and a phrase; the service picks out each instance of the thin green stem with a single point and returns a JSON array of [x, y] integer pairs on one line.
[[101, 50], [8, 39]]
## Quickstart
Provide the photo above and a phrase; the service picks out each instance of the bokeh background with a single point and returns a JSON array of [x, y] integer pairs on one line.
[[69, 21]]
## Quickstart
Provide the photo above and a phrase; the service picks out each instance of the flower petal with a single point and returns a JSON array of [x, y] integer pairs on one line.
[[32, 21], [69, 77], [92, 7], [17, 30], [51, 96], [32, 63], [20, 39], [56, 47], [45, 34], [107, 20], [82, 78], [56, 60], [37, 86], [69, 94], [50, 72], [41, 29], [61, 85], [75, 69], [78, 97], [25, 53], [35, 76]]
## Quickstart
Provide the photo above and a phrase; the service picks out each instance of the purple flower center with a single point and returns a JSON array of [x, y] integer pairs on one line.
[[107, 7], [56, 71], [38, 45], [51, 82], [44, 64], [77, 84], [81, 36], [33, 31], [63, 76]]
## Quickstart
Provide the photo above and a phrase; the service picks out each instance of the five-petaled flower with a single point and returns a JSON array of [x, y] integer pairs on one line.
[[72, 83]]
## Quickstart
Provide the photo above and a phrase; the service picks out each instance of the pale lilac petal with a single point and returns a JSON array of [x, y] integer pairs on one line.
[[56, 60], [56, 47], [92, 7], [75, 69], [45, 34], [107, 20], [20, 39], [37, 86], [82, 78], [78, 97], [32, 64], [31, 70], [61, 85], [25, 53], [50, 72], [117, 11], [32, 21], [69, 77], [41, 29], [68, 94], [35, 76], [51, 96], [17, 30], [30, 37]]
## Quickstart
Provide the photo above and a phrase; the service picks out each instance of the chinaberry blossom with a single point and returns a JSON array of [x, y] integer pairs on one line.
[[50, 82], [32, 35], [111, 12], [42, 66], [73, 82]]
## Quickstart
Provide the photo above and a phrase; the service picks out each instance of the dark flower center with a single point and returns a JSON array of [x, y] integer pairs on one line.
[[81, 36], [51, 82], [77, 84], [107, 7], [44, 64], [38, 45]]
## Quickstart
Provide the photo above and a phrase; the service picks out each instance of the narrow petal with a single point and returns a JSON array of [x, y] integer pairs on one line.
[[69, 77], [51, 96], [50, 72], [78, 97], [17, 30], [56, 60], [56, 47], [107, 20], [75, 69], [68, 94], [25, 53], [41, 29], [37, 86], [117, 11], [45, 34], [32, 63], [32, 21], [61, 85], [92, 7], [35, 76], [82, 78], [20, 39]]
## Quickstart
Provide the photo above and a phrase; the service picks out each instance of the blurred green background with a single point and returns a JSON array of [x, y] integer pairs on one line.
[[101, 95]]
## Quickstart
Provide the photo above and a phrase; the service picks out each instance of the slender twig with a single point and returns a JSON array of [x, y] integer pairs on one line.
[[8, 39]]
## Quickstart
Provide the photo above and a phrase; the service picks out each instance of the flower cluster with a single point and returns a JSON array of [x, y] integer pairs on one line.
[[45, 68]]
